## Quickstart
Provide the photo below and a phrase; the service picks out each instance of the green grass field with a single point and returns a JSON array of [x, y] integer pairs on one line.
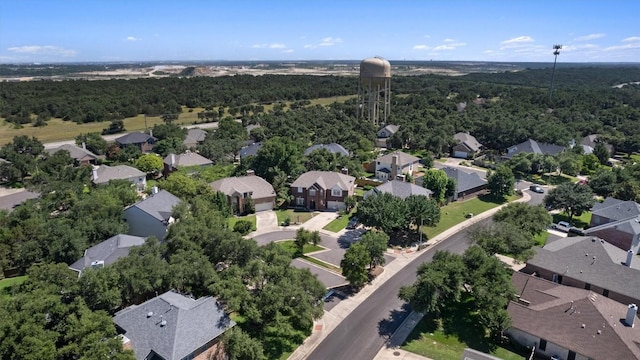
[[290, 246], [340, 223], [6, 284], [233, 220], [299, 217], [455, 213]]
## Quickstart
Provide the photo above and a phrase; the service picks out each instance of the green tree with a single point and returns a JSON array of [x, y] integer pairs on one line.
[[93, 141], [354, 265], [239, 345], [574, 199], [436, 181], [501, 182], [303, 237], [375, 242], [278, 155], [243, 227], [150, 163], [602, 153], [533, 219], [384, 211], [422, 211], [603, 182], [315, 238], [116, 127], [504, 238]]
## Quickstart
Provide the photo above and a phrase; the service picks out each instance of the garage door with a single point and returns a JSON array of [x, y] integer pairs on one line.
[[335, 205], [460, 154], [264, 206]]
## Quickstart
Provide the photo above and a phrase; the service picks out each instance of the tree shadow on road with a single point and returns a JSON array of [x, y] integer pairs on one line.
[[386, 327]]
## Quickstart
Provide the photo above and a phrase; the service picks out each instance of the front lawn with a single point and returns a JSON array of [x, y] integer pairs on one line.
[[581, 221], [541, 239], [234, 219], [290, 247], [446, 338], [296, 217], [456, 212], [339, 223]]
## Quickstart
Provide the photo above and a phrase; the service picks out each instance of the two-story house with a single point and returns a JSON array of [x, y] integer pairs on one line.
[[142, 141], [240, 189], [322, 190], [153, 215], [395, 164], [618, 222]]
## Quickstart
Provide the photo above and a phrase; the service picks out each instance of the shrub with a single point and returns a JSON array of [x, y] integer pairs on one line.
[[243, 227]]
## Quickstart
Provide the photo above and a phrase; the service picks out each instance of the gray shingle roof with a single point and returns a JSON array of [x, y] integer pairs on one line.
[[391, 129], [135, 138], [576, 319], [188, 325], [256, 185], [404, 159], [628, 226], [464, 180], [401, 189], [614, 209], [159, 205], [468, 140], [531, 146], [119, 172], [574, 257], [333, 148], [77, 153], [108, 251], [187, 159], [250, 150], [194, 137], [324, 179]]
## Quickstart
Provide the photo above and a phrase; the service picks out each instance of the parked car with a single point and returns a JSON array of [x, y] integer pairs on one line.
[[536, 189], [562, 226], [353, 223]]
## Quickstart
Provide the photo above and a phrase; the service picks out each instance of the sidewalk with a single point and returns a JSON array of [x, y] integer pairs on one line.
[[331, 319]]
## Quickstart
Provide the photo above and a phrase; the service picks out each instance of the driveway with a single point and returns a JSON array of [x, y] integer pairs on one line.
[[266, 221]]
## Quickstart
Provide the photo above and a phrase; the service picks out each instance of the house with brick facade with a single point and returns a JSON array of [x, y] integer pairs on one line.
[[172, 326], [240, 189], [590, 263], [322, 190], [571, 323], [142, 141], [466, 146], [618, 222]]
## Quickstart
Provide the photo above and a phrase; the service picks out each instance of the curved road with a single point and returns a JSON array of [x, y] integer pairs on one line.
[[363, 332]]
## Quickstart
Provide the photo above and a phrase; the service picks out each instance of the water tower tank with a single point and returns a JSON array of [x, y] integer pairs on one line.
[[376, 70]]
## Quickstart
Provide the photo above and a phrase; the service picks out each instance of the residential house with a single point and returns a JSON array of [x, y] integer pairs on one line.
[[467, 146], [332, 148], [390, 166], [399, 188], [589, 143], [105, 173], [571, 323], [239, 189], [588, 262], [142, 141], [151, 216], [322, 190], [106, 252], [14, 197], [467, 183], [618, 222], [172, 326], [250, 150], [80, 155], [194, 138], [173, 162], [388, 131], [531, 146]]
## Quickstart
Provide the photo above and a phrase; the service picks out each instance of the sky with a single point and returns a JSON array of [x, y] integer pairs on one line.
[[481, 30]]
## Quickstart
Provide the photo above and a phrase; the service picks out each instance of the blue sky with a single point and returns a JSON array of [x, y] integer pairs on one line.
[[132, 30]]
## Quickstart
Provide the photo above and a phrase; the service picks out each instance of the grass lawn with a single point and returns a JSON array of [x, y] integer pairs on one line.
[[455, 212], [446, 338], [233, 220], [581, 221], [323, 264], [542, 238], [5, 284], [290, 246], [299, 217], [339, 223]]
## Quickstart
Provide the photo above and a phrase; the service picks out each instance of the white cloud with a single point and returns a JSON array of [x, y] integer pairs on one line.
[[632, 39], [590, 37], [43, 50], [132, 38], [329, 41], [632, 45], [516, 42], [443, 47], [449, 46], [449, 40], [269, 46], [277, 46], [288, 51], [421, 47]]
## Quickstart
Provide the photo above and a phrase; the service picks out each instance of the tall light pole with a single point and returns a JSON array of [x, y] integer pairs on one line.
[[556, 52]]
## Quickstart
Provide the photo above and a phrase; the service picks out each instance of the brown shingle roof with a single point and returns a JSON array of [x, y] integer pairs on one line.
[[325, 179], [256, 185]]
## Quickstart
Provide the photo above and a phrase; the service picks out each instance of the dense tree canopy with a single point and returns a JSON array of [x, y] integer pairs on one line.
[[574, 199]]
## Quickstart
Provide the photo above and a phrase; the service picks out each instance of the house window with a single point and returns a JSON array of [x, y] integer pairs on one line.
[[299, 189], [587, 286], [336, 192], [300, 201], [312, 192], [555, 278], [543, 344], [605, 292]]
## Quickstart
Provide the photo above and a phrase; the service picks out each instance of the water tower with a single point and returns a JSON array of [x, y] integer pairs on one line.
[[374, 90]]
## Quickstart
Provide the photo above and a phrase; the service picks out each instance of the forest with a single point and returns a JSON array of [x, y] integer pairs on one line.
[[43, 236]]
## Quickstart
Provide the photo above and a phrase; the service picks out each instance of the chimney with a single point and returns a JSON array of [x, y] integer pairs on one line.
[[95, 173], [632, 309], [151, 132], [345, 171], [84, 145], [394, 167], [173, 160], [629, 258], [154, 190], [250, 172]]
